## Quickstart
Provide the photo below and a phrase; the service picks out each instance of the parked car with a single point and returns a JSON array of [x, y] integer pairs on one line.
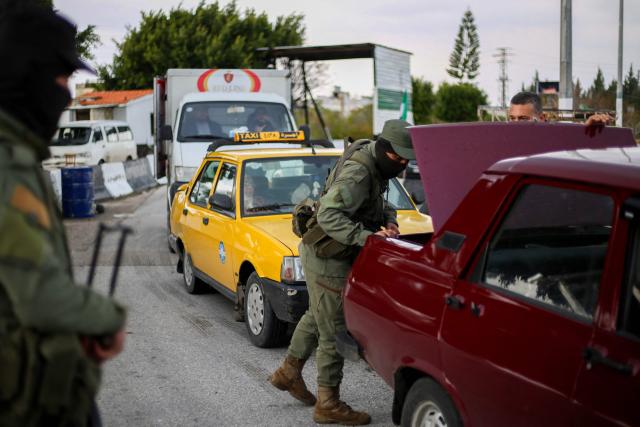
[[91, 143], [231, 226], [523, 308]]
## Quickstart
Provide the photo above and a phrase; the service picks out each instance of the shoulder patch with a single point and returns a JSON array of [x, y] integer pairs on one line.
[[26, 202], [354, 171], [20, 240]]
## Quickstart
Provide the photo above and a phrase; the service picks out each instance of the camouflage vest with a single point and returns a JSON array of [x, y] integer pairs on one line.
[[370, 213]]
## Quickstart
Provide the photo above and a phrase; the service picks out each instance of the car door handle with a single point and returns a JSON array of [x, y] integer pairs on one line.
[[453, 302], [594, 356], [477, 309], [185, 211], [205, 220]]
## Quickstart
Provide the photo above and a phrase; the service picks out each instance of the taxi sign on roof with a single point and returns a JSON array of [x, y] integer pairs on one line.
[[296, 136]]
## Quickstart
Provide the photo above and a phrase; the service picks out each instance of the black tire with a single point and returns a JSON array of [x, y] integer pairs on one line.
[[192, 284], [427, 400], [264, 328]]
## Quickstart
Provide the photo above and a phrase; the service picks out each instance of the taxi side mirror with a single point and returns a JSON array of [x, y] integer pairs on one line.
[[221, 201], [183, 187]]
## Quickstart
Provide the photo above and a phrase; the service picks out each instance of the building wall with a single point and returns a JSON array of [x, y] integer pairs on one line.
[[138, 115]]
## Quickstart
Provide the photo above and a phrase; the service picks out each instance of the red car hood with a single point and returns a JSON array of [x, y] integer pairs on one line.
[[451, 157]]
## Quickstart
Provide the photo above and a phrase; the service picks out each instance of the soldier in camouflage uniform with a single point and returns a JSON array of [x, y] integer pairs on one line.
[[351, 209], [53, 333]]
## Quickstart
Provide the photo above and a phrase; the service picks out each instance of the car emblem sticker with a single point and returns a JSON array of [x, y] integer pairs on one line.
[[221, 253]]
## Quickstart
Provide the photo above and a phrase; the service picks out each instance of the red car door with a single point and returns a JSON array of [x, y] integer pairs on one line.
[[518, 321], [608, 387]]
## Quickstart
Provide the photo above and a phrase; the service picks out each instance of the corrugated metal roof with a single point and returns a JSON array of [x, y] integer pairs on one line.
[[114, 97]]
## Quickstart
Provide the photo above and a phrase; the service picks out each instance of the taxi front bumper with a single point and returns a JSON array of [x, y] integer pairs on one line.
[[289, 302]]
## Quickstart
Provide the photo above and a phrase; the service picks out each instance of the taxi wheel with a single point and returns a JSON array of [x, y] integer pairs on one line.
[[192, 284], [265, 329], [427, 404]]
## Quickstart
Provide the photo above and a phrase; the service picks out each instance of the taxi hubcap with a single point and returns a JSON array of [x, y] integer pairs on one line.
[[255, 308], [188, 271], [428, 414]]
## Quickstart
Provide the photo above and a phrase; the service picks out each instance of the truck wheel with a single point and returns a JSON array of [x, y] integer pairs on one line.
[[192, 284], [265, 329], [427, 404]]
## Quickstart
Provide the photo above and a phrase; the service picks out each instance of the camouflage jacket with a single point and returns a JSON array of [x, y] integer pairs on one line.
[[36, 284], [350, 211]]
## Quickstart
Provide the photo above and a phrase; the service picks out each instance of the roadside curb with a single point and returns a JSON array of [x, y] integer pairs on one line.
[[113, 180]]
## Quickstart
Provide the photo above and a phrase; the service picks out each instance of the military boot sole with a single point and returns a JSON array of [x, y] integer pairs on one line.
[[327, 419]]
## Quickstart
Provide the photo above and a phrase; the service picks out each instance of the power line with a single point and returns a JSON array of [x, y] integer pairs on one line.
[[502, 54]]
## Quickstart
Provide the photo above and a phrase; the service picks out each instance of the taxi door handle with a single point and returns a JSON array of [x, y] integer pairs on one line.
[[205, 220], [184, 211]]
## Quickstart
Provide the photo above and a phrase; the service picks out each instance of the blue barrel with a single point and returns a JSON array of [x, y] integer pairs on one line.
[[77, 192]]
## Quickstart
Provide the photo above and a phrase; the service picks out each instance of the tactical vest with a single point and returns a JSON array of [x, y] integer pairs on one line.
[[370, 214]]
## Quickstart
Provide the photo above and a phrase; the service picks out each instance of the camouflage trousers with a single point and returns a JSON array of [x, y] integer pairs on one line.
[[318, 327]]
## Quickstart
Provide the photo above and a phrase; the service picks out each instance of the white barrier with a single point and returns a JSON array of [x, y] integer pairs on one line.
[[115, 179], [110, 180]]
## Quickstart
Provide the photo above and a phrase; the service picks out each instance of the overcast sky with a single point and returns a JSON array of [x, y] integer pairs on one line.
[[427, 28]]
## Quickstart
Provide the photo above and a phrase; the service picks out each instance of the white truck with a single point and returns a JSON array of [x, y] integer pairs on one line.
[[193, 107]]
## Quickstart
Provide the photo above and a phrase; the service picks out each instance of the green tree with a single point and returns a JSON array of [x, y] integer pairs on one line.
[[464, 61], [86, 41], [423, 100], [208, 36], [458, 102]]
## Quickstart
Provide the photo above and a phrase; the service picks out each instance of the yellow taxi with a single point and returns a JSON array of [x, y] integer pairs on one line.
[[231, 226]]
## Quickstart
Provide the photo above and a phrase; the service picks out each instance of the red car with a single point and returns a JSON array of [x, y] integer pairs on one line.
[[523, 308]]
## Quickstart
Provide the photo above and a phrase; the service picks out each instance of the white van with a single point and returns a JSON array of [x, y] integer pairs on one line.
[[91, 143]]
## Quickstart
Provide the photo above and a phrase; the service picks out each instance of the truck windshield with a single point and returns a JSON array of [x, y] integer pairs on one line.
[[202, 121], [71, 136]]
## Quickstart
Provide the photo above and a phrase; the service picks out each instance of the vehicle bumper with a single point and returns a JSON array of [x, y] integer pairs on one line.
[[172, 189], [289, 302], [348, 347], [173, 242]]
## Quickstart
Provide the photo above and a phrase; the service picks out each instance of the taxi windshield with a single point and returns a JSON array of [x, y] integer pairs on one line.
[[71, 136], [276, 185], [203, 121]]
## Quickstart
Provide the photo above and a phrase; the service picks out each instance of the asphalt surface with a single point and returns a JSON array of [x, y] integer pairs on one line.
[[186, 361]]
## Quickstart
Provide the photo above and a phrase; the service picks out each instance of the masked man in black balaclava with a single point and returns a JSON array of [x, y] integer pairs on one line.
[[53, 333]]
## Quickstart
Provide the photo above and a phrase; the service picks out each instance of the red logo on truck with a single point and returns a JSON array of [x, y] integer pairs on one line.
[[217, 80]]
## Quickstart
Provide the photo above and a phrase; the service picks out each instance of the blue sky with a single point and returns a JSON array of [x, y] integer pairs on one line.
[[426, 28]]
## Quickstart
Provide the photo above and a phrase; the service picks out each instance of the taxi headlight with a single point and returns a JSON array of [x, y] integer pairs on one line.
[[184, 174], [291, 270]]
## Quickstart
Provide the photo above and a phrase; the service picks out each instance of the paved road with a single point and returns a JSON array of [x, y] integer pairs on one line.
[[186, 361]]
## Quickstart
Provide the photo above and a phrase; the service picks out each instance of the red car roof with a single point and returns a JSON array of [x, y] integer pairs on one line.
[[616, 167]]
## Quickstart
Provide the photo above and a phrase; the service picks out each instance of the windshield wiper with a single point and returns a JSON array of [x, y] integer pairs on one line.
[[270, 207]]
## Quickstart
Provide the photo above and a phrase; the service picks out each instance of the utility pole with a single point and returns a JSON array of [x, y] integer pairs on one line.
[[502, 55], [565, 100], [619, 85]]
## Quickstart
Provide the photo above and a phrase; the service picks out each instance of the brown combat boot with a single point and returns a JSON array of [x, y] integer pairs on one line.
[[331, 410], [288, 377]]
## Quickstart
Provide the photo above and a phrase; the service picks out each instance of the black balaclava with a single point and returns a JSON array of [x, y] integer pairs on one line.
[[388, 168], [36, 47]]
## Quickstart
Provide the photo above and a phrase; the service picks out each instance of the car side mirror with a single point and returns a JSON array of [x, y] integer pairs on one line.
[[183, 187], [307, 132], [166, 134], [221, 201], [417, 199]]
